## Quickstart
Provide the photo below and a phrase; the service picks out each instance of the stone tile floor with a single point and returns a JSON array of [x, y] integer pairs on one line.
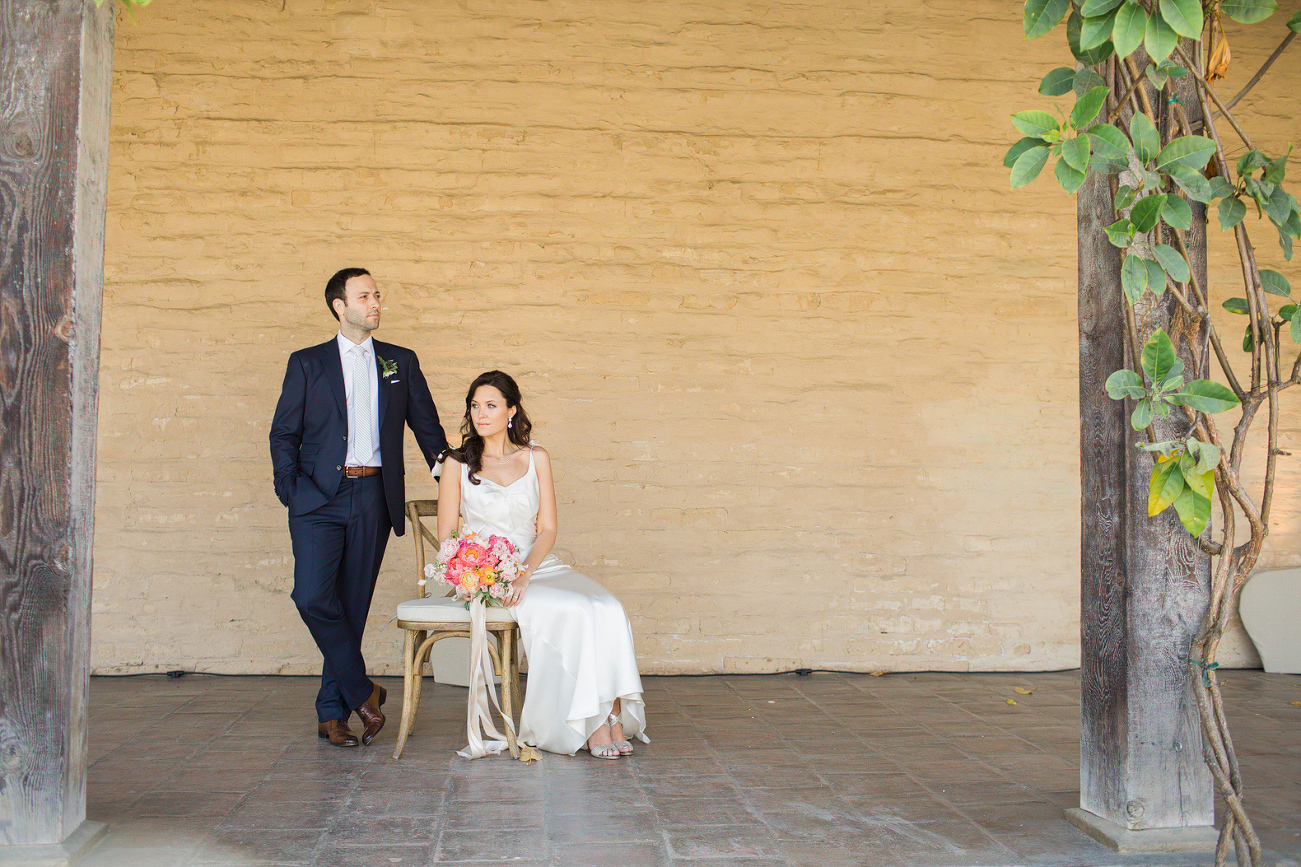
[[933, 770]]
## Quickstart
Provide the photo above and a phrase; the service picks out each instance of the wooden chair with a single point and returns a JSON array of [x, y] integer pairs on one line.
[[427, 620]]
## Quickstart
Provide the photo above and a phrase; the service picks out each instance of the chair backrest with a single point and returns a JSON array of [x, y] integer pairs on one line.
[[417, 510]]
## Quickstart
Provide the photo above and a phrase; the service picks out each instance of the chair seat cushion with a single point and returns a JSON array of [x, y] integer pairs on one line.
[[447, 609]]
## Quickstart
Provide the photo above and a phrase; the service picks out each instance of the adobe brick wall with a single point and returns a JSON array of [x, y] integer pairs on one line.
[[806, 367]]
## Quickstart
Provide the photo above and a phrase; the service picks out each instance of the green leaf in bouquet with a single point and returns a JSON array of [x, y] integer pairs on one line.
[[1275, 283], [1058, 82]]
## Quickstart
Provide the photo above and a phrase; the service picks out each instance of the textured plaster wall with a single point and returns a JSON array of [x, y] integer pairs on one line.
[[806, 367]]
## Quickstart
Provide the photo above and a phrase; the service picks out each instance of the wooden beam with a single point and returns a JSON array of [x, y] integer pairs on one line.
[[55, 78]]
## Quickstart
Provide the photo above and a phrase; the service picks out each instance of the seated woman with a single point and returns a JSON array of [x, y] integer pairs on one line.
[[584, 691]]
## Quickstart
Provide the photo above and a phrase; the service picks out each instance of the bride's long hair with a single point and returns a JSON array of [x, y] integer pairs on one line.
[[471, 451]]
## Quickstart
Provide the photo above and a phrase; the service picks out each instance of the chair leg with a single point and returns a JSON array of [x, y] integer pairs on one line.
[[515, 675], [411, 677]]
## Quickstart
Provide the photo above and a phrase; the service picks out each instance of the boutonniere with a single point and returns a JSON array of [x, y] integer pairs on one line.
[[389, 366]]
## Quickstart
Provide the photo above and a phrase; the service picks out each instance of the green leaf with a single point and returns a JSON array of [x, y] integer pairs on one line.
[[1028, 166], [1094, 8], [1009, 159], [1237, 305], [1087, 56], [1208, 455], [1276, 170], [1190, 150], [1155, 277], [1076, 152], [1158, 355], [1177, 213], [1278, 207], [1125, 383], [1220, 188], [1160, 40], [1294, 23], [1174, 378], [1142, 415], [1250, 161], [1087, 106], [1249, 11], [1275, 283], [1287, 311], [1295, 331], [1071, 179], [1109, 142], [1166, 484], [1085, 80], [1095, 31], [1131, 26], [1147, 211], [1192, 182], [1204, 395], [1183, 16], [1232, 210], [1147, 142], [1125, 196], [1285, 242], [1133, 280], [1248, 339], [1120, 233], [1035, 123], [1166, 448], [1194, 511], [1042, 16], [1172, 261], [1058, 82]]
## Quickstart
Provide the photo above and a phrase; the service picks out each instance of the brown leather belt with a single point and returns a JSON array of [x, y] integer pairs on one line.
[[360, 472]]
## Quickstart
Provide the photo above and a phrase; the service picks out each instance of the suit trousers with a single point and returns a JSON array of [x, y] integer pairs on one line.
[[338, 550]]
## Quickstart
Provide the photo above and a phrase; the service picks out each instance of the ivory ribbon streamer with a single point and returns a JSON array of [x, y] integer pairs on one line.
[[484, 739]]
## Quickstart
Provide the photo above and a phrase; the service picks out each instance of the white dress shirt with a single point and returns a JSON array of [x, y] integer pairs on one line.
[[346, 350]]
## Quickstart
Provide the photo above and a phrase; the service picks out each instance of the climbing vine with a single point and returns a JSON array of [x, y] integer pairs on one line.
[[1128, 122]]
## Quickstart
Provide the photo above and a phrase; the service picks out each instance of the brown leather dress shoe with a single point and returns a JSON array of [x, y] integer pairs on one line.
[[337, 731], [371, 715]]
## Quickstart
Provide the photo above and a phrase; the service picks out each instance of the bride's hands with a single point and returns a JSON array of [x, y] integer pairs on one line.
[[517, 588]]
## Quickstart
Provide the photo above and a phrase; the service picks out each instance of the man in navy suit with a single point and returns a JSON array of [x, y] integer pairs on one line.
[[336, 447]]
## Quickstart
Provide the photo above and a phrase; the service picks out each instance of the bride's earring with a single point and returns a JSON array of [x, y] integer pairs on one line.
[[510, 422]]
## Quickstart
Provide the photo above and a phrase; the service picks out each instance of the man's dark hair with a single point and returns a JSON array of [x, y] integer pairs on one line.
[[337, 287]]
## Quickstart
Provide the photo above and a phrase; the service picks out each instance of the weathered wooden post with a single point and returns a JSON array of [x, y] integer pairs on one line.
[[1144, 582], [56, 77]]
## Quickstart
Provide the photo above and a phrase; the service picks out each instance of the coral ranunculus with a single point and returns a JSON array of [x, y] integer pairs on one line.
[[477, 568]]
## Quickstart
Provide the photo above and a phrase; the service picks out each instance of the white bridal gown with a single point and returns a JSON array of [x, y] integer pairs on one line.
[[575, 634]]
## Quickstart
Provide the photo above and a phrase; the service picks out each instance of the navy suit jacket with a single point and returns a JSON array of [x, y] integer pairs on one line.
[[309, 433]]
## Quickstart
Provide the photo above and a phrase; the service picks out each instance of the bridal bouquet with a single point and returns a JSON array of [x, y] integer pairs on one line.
[[478, 568]]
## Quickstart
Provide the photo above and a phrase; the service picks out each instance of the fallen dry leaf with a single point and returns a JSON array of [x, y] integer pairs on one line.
[[876, 673], [528, 754], [1011, 701], [1021, 691], [1295, 703]]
